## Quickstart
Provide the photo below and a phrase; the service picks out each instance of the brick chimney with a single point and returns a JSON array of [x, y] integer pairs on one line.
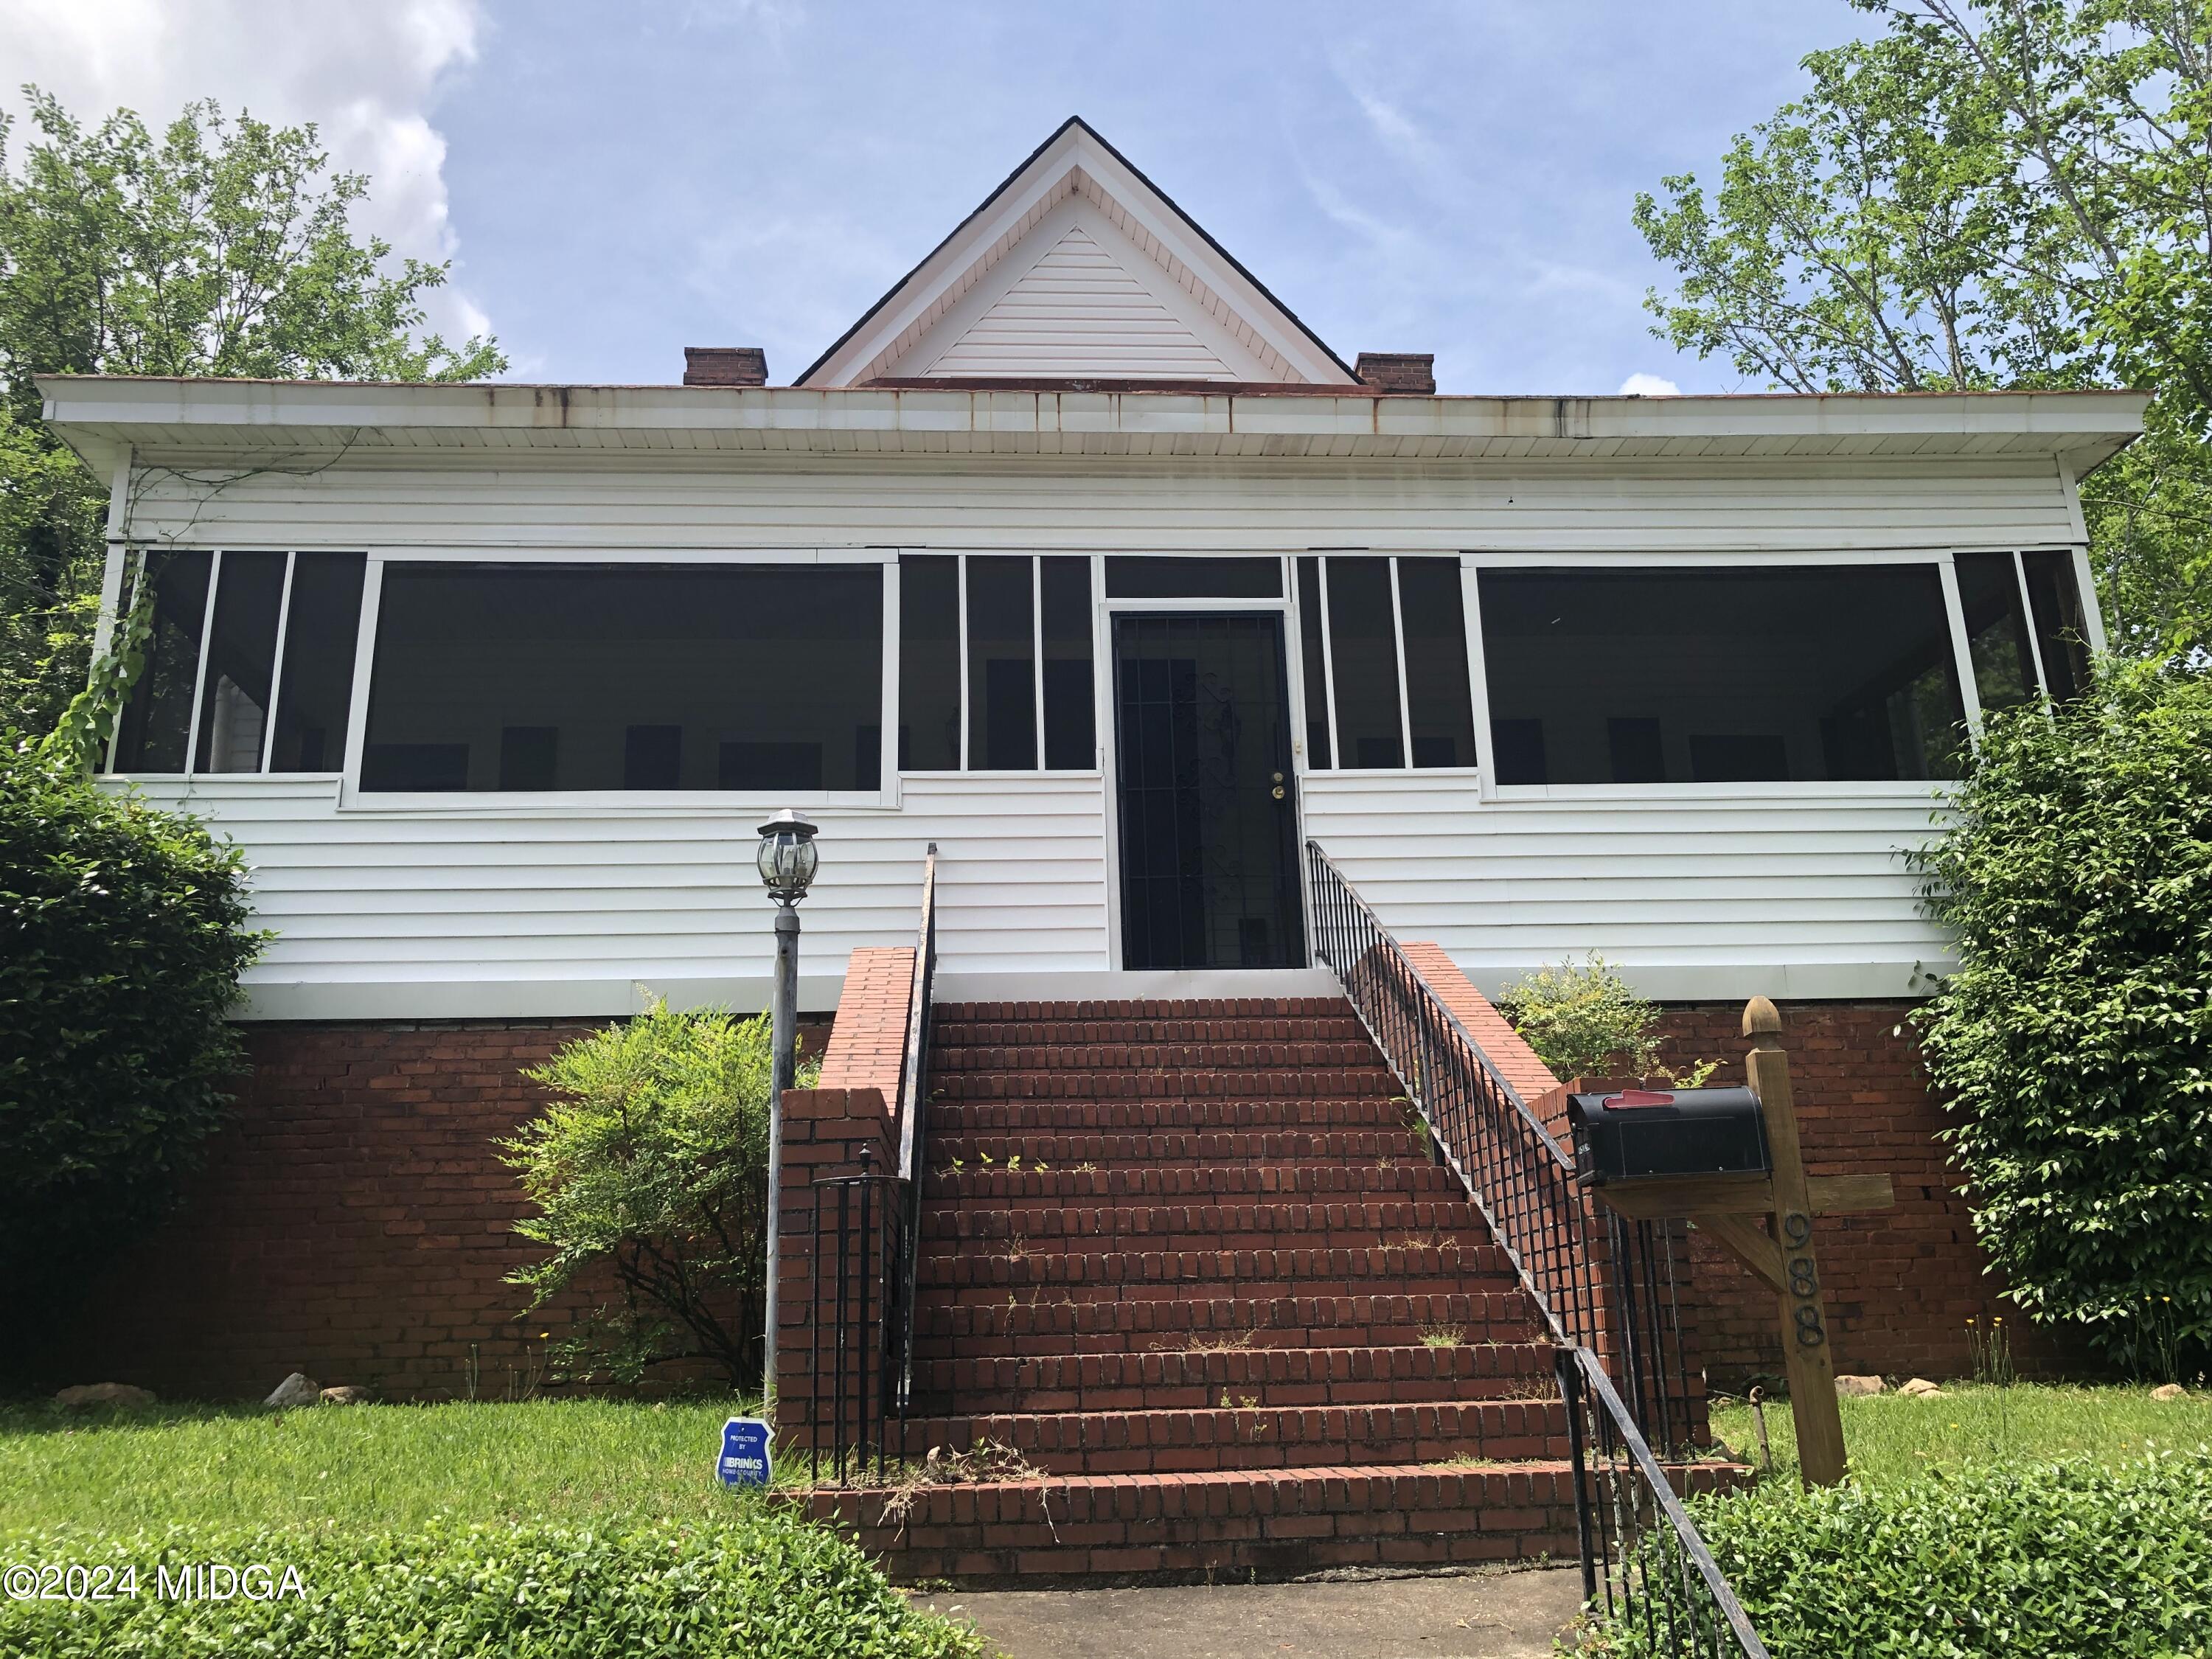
[[1399, 371], [724, 366]]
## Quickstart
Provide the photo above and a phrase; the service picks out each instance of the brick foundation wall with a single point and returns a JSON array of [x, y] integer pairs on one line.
[[354, 1223], [1901, 1283]]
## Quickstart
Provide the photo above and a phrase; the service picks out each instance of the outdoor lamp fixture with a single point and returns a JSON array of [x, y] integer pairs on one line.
[[786, 860]]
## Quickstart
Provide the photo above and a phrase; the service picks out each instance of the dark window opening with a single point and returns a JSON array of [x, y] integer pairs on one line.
[[1314, 665], [2061, 633], [1439, 697], [157, 726], [929, 662], [238, 670], [1070, 720], [1001, 665], [1997, 629], [321, 628], [1822, 673], [1137, 576], [530, 677], [1363, 640]]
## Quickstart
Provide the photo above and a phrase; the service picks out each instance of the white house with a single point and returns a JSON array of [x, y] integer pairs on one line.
[[1081, 556]]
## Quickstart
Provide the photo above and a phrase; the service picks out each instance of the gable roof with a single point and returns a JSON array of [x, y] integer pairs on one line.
[[1078, 266]]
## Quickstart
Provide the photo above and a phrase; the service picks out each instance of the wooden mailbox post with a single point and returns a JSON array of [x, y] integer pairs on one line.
[[1726, 1208]]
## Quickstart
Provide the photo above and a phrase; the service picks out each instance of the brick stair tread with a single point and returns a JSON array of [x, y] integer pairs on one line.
[[1143, 1223], [1191, 1378], [1348, 1055], [1334, 1263], [1288, 1083], [1139, 1008], [948, 1035], [1163, 1441], [1062, 1114], [1313, 1183], [1204, 1148], [1392, 1319]]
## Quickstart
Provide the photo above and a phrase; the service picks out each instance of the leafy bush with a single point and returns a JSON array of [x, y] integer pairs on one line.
[[652, 1164], [1582, 1020], [2045, 1562], [2075, 1041], [760, 1586], [123, 931]]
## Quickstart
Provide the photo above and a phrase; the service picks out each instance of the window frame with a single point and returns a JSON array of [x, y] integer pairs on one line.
[[1943, 558], [1470, 615], [351, 798], [1097, 562]]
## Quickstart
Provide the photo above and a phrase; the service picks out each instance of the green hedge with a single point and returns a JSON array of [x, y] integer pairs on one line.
[[2038, 1562], [764, 1586]]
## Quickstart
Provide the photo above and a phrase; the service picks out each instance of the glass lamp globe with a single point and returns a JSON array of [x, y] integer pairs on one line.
[[788, 856]]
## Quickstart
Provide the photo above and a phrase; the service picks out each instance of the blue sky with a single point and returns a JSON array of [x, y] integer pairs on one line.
[[617, 182]]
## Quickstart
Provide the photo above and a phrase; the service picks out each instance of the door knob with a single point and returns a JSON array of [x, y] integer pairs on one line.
[[1276, 792], [1276, 778]]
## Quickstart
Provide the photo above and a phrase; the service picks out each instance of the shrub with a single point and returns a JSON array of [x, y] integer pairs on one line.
[[2059, 1561], [652, 1164], [1582, 1020], [761, 1585], [2075, 1041], [123, 931]]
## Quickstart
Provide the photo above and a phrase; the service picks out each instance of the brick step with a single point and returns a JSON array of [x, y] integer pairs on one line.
[[1343, 1027], [1139, 1008], [1187, 1148], [1117, 1057], [1232, 1435], [1064, 1116], [1408, 1269], [1138, 1225], [1028, 1327], [1317, 1183], [1131, 1082], [1257, 1523], [1192, 1379]]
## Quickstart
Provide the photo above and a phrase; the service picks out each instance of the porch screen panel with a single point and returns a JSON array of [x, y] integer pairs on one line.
[[1002, 734], [2054, 595], [1319, 749], [157, 726], [1439, 699], [1363, 640], [1997, 629], [1709, 675], [929, 662], [1070, 720], [760, 678], [239, 677], [316, 697]]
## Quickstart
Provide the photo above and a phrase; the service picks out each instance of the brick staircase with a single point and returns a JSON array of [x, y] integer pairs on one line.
[[1192, 1262]]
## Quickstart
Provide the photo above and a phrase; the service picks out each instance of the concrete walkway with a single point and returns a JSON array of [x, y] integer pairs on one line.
[[1500, 1616]]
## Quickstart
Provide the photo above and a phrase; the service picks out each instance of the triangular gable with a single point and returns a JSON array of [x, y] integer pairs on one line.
[[1077, 267]]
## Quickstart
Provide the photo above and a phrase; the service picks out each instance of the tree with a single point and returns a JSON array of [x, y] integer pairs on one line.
[[1991, 193], [2075, 1041], [123, 931], [222, 248]]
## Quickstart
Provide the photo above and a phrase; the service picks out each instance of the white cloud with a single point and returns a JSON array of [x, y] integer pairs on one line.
[[367, 76], [1640, 384]]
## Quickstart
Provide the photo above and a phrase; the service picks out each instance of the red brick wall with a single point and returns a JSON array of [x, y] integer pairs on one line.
[[355, 1222], [1901, 1283]]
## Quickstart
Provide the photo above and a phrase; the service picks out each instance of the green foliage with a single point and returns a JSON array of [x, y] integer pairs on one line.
[[652, 1164], [216, 247], [761, 1585], [2075, 1042], [1582, 1020], [2065, 1560], [123, 931], [1989, 193]]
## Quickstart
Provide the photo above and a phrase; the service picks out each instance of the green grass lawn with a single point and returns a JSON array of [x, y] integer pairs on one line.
[[1890, 1438], [365, 1467]]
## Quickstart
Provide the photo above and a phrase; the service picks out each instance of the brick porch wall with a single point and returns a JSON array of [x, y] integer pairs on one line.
[[1901, 1283], [354, 1223]]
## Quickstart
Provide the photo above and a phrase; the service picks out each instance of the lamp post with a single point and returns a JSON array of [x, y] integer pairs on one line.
[[786, 860]]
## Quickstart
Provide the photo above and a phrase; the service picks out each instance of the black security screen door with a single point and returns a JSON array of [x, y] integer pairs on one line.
[[1208, 805]]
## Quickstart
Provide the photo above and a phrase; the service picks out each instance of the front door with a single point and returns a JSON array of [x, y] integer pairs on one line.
[[1208, 799]]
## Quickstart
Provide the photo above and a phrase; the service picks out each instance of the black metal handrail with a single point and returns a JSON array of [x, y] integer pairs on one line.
[[913, 1129], [1522, 1181]]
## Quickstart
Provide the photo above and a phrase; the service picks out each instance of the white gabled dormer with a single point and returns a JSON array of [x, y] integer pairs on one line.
[[1077, 267]]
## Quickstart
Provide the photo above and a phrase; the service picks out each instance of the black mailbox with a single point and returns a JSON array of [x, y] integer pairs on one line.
[[1640, 1133]]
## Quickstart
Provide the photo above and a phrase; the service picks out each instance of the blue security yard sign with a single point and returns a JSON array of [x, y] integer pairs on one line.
[[745, 1459]]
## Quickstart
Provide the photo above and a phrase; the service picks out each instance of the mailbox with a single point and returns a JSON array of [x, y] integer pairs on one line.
[[1637, 1134]]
